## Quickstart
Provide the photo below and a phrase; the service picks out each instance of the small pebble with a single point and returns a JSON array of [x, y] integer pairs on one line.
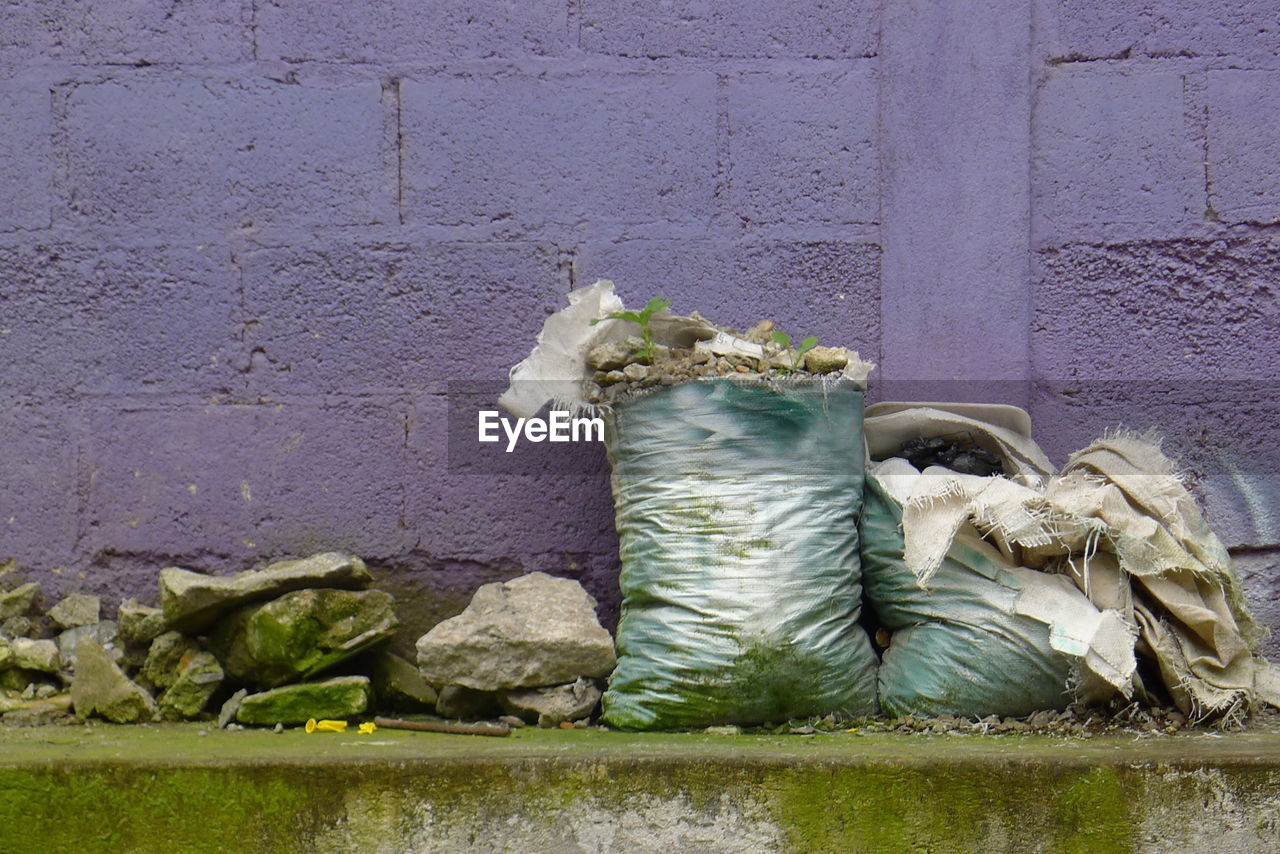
[[278, 728]]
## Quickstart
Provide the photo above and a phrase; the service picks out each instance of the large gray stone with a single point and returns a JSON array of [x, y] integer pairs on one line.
[[99, 687], [78, 609], [301, 634], [193, 602], [549, 706], [198, 676], [18, 601], [531, 631], [296, 704]]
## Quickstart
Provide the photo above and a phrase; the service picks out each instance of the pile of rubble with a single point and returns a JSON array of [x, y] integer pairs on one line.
[[298, 640], [621, 367]]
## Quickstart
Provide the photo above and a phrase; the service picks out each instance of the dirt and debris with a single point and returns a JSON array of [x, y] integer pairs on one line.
[[623, 367]]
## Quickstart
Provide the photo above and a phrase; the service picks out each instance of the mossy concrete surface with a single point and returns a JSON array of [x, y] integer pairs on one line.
[[186, 788]]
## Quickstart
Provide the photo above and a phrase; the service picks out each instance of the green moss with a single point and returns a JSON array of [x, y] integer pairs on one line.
[[1091, 811], [169, 789]]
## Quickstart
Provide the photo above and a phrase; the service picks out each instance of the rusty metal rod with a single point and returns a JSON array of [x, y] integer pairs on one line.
[[497, 730]]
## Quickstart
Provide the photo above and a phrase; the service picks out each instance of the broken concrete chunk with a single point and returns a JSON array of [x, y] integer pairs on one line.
[[549, 706], [17, 627], [342, 697], [139, 624], [104, 633], [826, 360], [302, 633], [166, 658], [463, 703], [531, 631], [198, 677], [228, 712], [39, 655], [398, 685], [609, 378], [78, 609], [614, 355], [101, 688], [16, 602], [193, 602]]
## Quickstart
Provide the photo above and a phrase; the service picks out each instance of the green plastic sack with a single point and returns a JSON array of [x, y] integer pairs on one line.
[[736, 505], [955, 648]]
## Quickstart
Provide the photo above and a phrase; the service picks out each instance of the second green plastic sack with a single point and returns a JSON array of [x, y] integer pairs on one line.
[[956, 647]]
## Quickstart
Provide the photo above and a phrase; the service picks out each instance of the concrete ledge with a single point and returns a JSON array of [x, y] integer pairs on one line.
[[181, 788]]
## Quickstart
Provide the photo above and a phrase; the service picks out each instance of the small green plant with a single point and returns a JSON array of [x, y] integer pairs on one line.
[[641, 317], [783, 340]]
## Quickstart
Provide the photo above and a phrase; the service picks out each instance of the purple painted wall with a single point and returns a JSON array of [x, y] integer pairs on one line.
[[245, 246]]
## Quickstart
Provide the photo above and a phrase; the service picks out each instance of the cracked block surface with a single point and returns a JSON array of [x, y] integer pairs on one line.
[[379, 30], [217, 154], [522, 153], [246, 481], [1175, 335], [749, 28], [137, 32], [38, 519], [1244, 145], [1085, 29], [802, 147], [1111, 149], [349, 319], [26, 157], [80, 319]]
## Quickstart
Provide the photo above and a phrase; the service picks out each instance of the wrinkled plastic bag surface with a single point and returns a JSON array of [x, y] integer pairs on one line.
[[736, 506], [957, 646]]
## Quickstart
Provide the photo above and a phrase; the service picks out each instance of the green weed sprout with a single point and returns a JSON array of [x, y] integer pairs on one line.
[[641, 317], [783, 340]]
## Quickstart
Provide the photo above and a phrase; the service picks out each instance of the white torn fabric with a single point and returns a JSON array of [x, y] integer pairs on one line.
[[1102, 639], [557, 368], [938, 501], [1188, 599]]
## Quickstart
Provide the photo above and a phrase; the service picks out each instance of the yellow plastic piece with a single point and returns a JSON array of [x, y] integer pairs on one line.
[[366, 728], [314, 725]]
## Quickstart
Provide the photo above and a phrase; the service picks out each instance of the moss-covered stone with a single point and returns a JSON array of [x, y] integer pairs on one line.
[[301, 634], [342, 697], [101, 688], [166, 656], [192, 602], [198, 678], [18, 601], [139, 624]]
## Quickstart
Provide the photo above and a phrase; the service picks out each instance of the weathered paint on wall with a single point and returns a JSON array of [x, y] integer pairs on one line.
[[247, 246]]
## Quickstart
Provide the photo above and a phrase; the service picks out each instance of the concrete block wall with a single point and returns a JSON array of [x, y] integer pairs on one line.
[[250, 250]]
